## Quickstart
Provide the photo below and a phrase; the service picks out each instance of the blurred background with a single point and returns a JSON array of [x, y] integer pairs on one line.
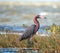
[[17, 15], [21, 13]]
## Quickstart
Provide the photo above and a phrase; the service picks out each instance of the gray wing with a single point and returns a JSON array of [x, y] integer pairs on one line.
[[28, 32]]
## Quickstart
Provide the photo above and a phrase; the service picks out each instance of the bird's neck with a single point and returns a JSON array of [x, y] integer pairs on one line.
[[36, 23]]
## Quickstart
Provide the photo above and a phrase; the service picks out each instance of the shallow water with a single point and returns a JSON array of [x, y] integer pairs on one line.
[[19, 15], [18, 50]]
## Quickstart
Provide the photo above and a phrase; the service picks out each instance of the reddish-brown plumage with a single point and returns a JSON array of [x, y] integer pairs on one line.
[[36, 23], [30, 31]]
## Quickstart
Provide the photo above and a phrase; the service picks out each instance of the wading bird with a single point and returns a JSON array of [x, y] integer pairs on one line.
[[30, 31]]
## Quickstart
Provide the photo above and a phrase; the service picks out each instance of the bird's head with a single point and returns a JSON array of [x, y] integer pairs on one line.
[[41, 15], [37, 16]]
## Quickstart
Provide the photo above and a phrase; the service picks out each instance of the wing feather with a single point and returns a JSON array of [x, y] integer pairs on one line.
[[28, 32]]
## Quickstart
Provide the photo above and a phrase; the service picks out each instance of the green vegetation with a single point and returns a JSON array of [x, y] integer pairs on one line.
[[49, 44]]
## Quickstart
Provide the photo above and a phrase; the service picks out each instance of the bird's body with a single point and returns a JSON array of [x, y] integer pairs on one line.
[[30, 31]]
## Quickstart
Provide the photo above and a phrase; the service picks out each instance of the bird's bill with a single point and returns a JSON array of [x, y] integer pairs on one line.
[[41, 16]]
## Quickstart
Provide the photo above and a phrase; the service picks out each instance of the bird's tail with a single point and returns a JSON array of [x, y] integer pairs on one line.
[[23, 37]]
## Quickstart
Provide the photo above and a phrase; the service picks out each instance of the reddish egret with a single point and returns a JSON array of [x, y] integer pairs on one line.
[[30, 31]]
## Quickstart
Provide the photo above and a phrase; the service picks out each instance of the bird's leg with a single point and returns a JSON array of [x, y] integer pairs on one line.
[[30, 41]]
